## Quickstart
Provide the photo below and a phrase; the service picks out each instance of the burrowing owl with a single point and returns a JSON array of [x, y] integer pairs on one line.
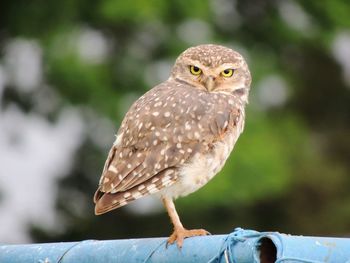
[[178, 135]]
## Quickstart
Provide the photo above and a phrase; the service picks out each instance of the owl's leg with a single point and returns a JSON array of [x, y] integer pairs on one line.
[[180, 233]]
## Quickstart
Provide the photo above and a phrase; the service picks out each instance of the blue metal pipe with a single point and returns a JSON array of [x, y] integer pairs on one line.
[[241, 246], [284, 248], [198, 249]]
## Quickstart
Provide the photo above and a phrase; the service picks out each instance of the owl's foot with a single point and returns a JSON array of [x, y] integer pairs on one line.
[[180, 234]]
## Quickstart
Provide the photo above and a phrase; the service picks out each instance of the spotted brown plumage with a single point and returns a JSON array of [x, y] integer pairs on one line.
[[178, 135]]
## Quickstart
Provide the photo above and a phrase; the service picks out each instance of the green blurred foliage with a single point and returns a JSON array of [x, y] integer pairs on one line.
[[289, 170]]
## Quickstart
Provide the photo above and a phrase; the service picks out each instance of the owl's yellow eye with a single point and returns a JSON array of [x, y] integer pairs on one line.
[[195, 70], [227, 73]]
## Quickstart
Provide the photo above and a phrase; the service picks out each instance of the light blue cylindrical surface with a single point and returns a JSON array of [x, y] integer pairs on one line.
[[197, 249], [308, 249], [241, 246]]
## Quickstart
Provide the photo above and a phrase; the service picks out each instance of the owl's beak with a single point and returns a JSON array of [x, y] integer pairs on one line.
[[209, 83]]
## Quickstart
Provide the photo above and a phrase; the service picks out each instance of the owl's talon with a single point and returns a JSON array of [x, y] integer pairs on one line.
[[180, 234]]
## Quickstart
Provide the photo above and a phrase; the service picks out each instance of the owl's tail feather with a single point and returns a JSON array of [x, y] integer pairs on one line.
[[106, 202]]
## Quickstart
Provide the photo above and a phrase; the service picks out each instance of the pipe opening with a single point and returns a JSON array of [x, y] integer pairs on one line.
[[267, 250]]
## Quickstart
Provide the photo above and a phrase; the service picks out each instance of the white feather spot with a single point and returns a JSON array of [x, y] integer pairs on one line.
[[113, 169], [122, 202], [136, 195], [152, 188], [197, 135], [158, 104], [126, 195], [165, 179], [106, 180], [155, 179], [118, 139]]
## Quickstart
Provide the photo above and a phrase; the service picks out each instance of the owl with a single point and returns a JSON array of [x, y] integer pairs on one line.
[[178, 135]]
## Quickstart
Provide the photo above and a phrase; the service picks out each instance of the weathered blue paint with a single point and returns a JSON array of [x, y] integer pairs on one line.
[[241, 246], [307, 249], [198, 249]]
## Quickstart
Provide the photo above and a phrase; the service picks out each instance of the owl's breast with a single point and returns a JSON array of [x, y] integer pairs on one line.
[[202, 167]]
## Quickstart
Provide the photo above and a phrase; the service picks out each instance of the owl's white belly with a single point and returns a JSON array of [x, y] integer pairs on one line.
[[201, 168]]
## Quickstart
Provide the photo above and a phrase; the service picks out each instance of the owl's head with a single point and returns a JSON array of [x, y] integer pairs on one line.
[[213, 68]]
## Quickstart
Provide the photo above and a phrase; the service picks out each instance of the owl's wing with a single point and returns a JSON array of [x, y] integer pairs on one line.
[[160, 132]]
